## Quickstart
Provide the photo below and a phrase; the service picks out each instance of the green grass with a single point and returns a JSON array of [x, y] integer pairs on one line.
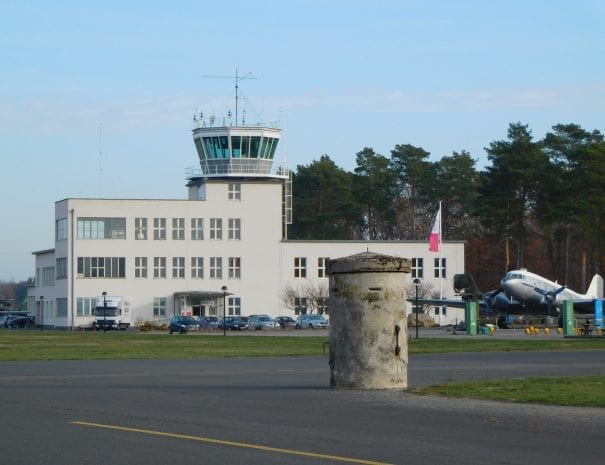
[[487, 344], [584, 391], [64, 345]]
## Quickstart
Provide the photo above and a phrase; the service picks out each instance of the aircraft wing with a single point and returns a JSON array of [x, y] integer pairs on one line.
[[457, 303]]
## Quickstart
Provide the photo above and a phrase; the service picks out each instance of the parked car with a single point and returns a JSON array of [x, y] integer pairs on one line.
[[262, 322], [206, 322], [20, 322], [286, 322], [311, 321], [182, 324], [232, 323]]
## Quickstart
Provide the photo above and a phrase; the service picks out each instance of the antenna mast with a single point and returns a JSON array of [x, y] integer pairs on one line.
[[100, 154], [237, 78]]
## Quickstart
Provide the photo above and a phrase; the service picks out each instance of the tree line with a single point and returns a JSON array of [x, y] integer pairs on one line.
[[540, 204]]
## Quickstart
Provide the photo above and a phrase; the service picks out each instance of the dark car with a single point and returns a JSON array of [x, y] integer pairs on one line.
[[20, 322], [232, 323], [182, 324], [206, 322], [285, 322]]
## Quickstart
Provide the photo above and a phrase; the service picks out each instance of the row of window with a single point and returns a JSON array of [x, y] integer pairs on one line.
[[301, 305], [300, 267], [224, 147], [115, 267], [157, 267], [45, 277], [439, 267], [115, 228]]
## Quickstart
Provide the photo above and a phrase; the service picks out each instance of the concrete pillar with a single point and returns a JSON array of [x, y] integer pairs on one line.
[[368, 328]]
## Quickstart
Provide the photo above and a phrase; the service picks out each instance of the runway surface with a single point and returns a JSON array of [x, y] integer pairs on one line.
[[282, 411]]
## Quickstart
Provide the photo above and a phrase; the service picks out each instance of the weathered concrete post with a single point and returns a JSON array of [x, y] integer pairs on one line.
[[368, 328]]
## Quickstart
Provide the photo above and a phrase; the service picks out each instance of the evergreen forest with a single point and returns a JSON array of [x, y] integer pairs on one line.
[[539, 204]]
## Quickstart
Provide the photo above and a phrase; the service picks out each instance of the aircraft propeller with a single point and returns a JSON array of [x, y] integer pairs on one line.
[[550, 297]]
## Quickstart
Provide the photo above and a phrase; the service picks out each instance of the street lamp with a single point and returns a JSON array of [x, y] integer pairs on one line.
[[41, 313], [104, 310], [224, 289], [417, 284]]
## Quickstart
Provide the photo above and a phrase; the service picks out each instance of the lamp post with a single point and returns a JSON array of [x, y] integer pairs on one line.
[[417, 284], [41, 313], [224, 289], [104, 310]]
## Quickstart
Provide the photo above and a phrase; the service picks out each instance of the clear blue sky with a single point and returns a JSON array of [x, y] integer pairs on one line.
[[97, 97]]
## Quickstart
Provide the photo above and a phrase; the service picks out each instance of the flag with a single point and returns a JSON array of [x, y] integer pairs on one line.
[[435, 237]]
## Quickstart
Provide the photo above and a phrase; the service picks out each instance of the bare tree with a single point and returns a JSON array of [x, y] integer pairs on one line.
[[425, 291], [306, 297]]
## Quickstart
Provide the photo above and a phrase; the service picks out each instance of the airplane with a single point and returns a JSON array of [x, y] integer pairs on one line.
[[521, 291], [535, 291]]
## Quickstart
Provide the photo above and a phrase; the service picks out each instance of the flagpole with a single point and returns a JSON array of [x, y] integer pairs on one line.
[[440, 262]]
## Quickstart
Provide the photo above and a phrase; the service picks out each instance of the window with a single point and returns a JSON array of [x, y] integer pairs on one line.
[[216, 267], [48, 276], [300, 267], [201, 192], [235, 267], [197, 229], [61, 230], [178, 267], [140, 267], [300, 305], [101, 228], [159, 229], [159, 306], [140, 229], [440, 310], [235, 229], [102, 267], [61, 307], [322, 267], [61, 268], [197, 267], [234, 306], [178, 229], [235, 191], [439, 269], [159, 267], [322, 305], [417, 268], [85, 306], [216, 228]]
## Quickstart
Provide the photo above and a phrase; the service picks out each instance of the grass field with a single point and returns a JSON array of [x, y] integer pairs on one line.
[[64, 345], [61, 345], [579, 391]]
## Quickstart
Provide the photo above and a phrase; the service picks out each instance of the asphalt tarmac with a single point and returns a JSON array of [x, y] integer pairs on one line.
[[282, 411]]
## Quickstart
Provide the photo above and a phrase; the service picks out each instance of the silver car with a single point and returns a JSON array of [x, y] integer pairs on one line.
[[262, 322], [311, 321]]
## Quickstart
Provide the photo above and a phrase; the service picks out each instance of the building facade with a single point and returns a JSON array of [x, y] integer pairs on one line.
[[221, 250]]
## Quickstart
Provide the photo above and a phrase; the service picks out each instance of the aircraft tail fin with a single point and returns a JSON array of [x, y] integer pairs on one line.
[[595, 290]]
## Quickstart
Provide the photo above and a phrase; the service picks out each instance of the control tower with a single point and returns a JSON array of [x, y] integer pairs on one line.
[[236, 151]]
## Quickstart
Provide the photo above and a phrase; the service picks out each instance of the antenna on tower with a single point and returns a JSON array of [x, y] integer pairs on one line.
[[236, 79], [100, 154]]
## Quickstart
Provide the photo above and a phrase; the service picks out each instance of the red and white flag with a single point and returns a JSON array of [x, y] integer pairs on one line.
[[435, 237]]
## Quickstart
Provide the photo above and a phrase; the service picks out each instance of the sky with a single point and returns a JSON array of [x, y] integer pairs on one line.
[[97, 98]]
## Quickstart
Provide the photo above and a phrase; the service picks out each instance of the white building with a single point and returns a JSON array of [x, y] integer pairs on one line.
[[167, 257]]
